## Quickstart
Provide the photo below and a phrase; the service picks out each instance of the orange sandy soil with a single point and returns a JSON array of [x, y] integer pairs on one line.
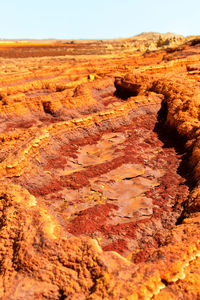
[[100, 168]]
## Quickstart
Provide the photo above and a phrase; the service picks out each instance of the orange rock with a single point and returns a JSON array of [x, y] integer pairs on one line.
[[100, 169]]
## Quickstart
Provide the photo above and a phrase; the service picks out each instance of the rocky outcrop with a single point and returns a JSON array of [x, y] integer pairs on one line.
[[99, 167]]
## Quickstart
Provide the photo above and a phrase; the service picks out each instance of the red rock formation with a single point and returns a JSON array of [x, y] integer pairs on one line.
[[99, 164]]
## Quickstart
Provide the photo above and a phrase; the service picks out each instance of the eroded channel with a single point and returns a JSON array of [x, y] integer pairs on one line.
[[121, 186]]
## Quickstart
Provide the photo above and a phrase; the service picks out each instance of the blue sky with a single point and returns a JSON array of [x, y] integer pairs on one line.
[[74, 19]]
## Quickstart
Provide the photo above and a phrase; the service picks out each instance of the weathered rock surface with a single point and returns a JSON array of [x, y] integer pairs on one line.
[[99, 170]]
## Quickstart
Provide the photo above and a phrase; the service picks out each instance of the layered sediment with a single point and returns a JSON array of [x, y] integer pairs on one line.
[[99, 165]]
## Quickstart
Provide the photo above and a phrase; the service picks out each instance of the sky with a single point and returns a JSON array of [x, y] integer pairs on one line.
[[96, 19]]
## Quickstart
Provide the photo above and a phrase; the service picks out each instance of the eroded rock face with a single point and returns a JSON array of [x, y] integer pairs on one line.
[[99, 165]]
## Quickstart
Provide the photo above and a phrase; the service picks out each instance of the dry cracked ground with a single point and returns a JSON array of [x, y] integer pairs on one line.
[[100, 169]]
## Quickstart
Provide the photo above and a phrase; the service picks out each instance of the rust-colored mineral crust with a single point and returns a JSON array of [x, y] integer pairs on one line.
[[100, 169]]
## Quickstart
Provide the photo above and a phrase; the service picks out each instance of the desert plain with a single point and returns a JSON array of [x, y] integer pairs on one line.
[[100, 168]]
